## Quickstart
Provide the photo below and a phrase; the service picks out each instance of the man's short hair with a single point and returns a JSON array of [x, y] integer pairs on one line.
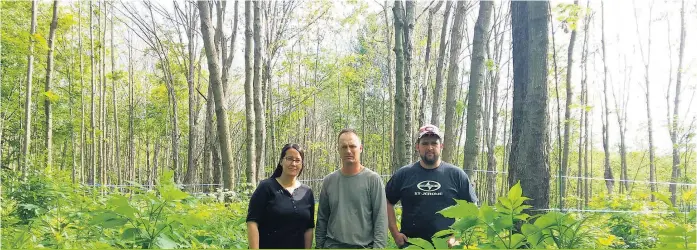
[[347, 130]]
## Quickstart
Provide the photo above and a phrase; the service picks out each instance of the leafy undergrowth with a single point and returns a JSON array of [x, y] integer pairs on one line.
[[40, 213], [506, 226], [45, 212]]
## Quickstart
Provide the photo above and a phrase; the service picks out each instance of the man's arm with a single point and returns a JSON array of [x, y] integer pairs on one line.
[[322, 216], [379, 214], [399, 238]]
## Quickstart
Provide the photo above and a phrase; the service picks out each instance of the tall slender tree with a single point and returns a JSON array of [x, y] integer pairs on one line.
[[215, 79], [399, 157], [248, 92], [609, 179], [675, 173], [573, 15], [47, 89], [259, 116], [453, 83], [477, 78]]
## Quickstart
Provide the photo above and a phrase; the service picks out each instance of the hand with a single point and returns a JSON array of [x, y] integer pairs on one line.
[[452, 242], [400, 239]]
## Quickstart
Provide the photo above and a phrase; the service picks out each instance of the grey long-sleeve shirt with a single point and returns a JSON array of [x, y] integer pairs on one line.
[[352, 210]]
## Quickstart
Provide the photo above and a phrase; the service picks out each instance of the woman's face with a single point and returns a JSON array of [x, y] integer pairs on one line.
[[292, 163]]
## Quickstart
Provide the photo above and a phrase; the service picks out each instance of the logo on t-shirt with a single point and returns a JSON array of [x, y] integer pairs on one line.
[[428, 188]]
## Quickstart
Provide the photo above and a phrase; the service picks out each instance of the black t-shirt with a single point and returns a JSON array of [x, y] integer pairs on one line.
[[424, 192], [282, 217]]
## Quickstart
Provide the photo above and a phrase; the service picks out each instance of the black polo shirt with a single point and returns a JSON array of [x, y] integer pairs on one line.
[[282, 217]]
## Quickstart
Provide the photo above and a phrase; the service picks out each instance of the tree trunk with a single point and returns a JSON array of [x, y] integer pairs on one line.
[[93, 139], [477, 78], [675, 173], [259, 119], [583, 130], [47, 89], [426, 73], [453, 83], [529, 160], [408, 29], [438, 90], [28, 92], [249, 95], [400, 155], [82, 97], [567, 113], [192, 163], [646, 58], [117, 149], [214, 71], [609, 179]]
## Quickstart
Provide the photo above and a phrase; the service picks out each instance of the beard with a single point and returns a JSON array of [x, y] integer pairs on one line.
[[429, 160]]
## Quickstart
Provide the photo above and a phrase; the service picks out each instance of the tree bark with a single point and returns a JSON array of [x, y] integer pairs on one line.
[[438, 90], [675, 173], [260, 118], [477, 78], [249, 95], [453, 83], [567, 111], [529, 160], [28, 93], [408, 44], [214, 71], [192, 162], [117, 148], [609, 179], [47, 89], [400, 155], [93, 139]]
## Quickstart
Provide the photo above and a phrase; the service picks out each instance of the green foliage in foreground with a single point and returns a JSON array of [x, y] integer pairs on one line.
[[506, 226], [43, 212]]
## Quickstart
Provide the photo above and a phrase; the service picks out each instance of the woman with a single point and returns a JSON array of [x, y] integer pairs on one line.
[[282, 210]]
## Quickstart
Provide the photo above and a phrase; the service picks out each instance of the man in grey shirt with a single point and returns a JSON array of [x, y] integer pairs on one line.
[[352, 205]]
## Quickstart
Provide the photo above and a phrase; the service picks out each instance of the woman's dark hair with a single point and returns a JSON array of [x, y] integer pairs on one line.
[[279, 168]]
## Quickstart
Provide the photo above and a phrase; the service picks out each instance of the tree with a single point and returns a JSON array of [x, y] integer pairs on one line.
[[249, 94], [573, 15], [529, 160], [675, 173], [215, 80], [438, 90], [452, 85], [49, 95], [259, 117], [477, 78], [646, 58], [609, 180], [28, 92], [400, 155], [408, 43], [114, 77]]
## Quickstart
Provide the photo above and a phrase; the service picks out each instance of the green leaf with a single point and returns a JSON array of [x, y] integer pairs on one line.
[[121, 206], [130, 233], [442, 233], [114, 223], [418, 242], [516, 241], [691, 215], [440, 243], [460, 210], [503, 223], [487, 213], [464, 224], [163, 241], [516, 192], [506, 203]]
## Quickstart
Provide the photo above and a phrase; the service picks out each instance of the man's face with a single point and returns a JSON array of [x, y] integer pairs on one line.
[[429, 148], [350, 148]]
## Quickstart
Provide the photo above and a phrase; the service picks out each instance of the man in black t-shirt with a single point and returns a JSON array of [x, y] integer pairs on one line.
[[424, 188]]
